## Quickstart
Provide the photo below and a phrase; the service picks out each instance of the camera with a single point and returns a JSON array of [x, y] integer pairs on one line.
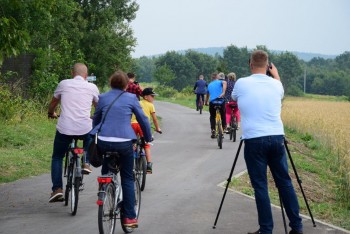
[[268, 73]]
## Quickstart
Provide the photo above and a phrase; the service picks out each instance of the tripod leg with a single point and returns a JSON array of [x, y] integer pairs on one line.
[[283, 216], [228, 183], [299, 182]]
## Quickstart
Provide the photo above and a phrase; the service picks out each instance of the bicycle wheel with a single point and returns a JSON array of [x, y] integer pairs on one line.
[[231, 129], [69, 168], [106, 212], [234, 128], [200, 105], [74, 194], [220, 136], [142, 164], [137, 206]]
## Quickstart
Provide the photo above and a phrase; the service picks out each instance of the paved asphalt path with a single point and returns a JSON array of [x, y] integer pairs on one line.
[[182, 196]]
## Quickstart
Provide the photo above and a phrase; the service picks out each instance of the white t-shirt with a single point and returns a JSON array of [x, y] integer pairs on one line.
[[76, 97], [259, 99]]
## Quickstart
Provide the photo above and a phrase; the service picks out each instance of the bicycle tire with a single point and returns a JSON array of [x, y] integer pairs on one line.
[[74, 193], [143, 171], [200, 105], [137, 207], [69, 178], [106, 212], [219, 137], [232, 127]]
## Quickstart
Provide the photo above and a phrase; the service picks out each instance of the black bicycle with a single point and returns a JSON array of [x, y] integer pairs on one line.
[[73, 173], [140, 164], [110, 198], [233, 122]]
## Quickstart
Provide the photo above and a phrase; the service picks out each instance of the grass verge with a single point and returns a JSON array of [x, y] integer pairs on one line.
[[319, 176]]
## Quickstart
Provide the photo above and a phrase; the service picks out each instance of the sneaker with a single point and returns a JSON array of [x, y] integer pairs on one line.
[[57, 196], [86, 168], [131, 223], [149, 168], [213, 135]]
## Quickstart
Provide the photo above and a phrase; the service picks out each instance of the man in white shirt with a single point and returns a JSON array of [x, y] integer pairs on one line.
[[76, 97], [259, 100]]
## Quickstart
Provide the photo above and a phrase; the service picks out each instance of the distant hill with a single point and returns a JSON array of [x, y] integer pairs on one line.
[[301, 55]]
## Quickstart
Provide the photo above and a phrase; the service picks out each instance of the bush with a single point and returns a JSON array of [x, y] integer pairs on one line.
[[166, 92]]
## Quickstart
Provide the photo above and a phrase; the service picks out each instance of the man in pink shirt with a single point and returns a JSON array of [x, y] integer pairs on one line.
[[76, 97]]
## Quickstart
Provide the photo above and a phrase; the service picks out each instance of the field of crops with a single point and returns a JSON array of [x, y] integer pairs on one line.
[[328, 122]]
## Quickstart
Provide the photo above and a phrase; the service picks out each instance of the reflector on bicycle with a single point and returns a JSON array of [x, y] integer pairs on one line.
[[99, 202], [78, 150], [104, 180]]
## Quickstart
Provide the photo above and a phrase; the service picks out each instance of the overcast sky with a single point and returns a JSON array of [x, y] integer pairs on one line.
[[316, 26]]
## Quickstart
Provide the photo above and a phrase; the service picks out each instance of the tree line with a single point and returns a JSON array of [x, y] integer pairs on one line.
[[61, 32], [180, 70], [97, 32]]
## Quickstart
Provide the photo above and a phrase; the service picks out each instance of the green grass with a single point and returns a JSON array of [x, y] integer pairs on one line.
[[26, 148], [319, 175]]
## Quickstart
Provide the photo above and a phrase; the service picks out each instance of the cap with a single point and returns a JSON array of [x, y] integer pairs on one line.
[[148, 91]]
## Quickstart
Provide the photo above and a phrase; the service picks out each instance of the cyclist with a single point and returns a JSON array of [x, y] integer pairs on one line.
[[117, 135], [133, 85], [216, 89], [231, 79], [149, 110], [76, 97], [200, 89]]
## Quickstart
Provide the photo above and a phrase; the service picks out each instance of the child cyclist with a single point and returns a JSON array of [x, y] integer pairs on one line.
[[149, 110]]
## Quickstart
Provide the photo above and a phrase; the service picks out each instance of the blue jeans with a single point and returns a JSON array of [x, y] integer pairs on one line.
[[126, 160], [270, 151], [60, 147]]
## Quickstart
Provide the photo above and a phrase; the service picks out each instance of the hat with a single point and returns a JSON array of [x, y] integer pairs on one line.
[[148, 91]]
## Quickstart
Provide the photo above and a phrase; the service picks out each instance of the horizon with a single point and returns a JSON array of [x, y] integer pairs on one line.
[[301, 26]]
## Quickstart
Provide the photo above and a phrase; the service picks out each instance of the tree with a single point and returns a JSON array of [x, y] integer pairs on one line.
[[290, 71], [184, 70], [164, 75], [205, 64], [144, 68]]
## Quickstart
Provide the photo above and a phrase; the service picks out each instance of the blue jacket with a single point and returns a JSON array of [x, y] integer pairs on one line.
[[117, 122]]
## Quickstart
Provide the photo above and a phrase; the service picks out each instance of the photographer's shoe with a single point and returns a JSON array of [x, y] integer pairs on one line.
[[295, 232], [257, 232]]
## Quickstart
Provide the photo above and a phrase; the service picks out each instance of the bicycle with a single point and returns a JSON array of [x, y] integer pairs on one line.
[[200, 103], [233, 122], [218, 122], [110, 198], [140, 163], [74, 175]]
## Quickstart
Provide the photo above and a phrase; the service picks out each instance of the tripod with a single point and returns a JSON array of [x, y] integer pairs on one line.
[[281, 203]]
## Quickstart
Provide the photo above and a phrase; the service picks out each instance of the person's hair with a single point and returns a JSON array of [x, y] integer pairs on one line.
[[80, 69], [214, 75], [118, 80], [231, 76], [259, 58], [222, 76], [201, 76], [131, 75]]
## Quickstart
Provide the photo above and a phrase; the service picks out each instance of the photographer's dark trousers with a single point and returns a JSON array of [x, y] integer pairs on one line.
[[270, 151], [212, 112]]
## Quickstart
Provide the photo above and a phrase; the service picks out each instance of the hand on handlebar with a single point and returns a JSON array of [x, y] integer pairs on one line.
[[52, 115]]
